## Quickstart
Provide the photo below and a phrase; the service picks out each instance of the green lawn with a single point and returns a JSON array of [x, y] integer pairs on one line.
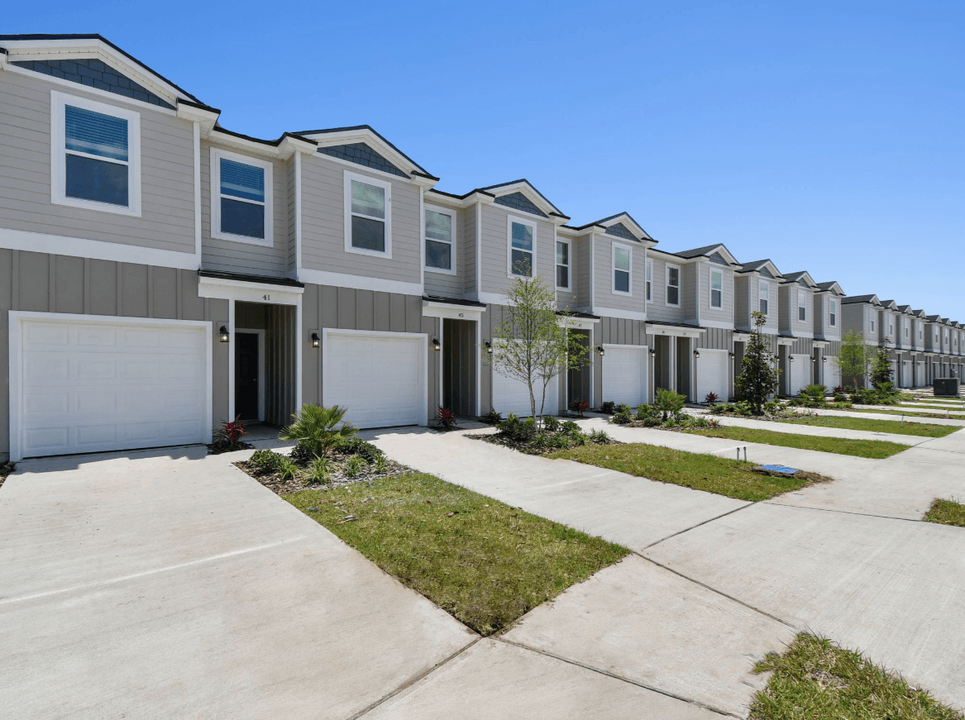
[[875, 449], [484, 562], [816, 680], [694, 470], [946, 512], [885, 409], [883, 426]]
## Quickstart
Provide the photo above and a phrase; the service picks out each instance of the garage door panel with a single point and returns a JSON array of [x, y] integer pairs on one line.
[[800, 373], [712, 374], [625, 374], [512, 396], [40, 369], [54, 335]]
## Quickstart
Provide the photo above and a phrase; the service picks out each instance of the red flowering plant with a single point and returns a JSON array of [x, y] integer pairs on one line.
[[712, 398], [229, 437], [580, 406], [446, 418]]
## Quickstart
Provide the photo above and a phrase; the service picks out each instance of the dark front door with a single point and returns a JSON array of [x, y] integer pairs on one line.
[[578, 380], [459, 367], [246, 375]]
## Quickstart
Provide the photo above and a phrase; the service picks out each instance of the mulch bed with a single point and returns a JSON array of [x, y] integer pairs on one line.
[[5, 469], [225, 446], [499, 439], [280, 486]]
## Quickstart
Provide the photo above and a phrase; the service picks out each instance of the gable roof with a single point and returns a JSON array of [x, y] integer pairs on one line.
[[525, 188], [799, 276], [759, 265], [343, 137], [870, 299], [919, 313], [708, 251], [831, 286], [889, 304], [620, 225]]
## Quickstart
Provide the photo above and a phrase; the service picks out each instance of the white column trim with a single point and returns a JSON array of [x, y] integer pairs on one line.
[[231, 360], [197, 190]]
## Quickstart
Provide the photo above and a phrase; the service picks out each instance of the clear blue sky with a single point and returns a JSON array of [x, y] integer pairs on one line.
[[828, 136]]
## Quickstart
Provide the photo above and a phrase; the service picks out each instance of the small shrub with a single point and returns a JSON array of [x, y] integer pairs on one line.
[[839, 390], [816, 393], [551, 424], [319, 429], [580, 406], [645, 411], [287, 468], [771, 407], [623, 415], [232, 432], [560, 441], [491, 418], [598, 437], [539, 441], [840, 397], [355, 466], [358, 446], [266, 461], [446, 418], [380, 464], [608, 407], [668, 403], [712, 398], [320, 470], [721, 409], [570, 427]]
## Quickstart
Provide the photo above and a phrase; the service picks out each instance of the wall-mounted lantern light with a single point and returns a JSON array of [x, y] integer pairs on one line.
[[790, 358], [653, 352], [696, 353], [814, 359], [316, 340], [731, 355], [436, 345], [599, 350], [223, 335], [824, 359], [489, 347]]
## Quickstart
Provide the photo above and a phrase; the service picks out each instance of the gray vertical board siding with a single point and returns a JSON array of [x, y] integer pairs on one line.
[[716, 339], [689, 293], [495, 248], [311, 357], [37, 282], [242, 257], [444, 284], [621, 331], [468, 255], [280, 367], [725, 313], [802, 346], [658, 309], [604, 297], [323, 224], [167, 173]]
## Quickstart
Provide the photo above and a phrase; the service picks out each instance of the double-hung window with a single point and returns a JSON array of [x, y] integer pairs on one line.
[[833, 312], [872, 326], [621, 269], [907, 331], [764, 295], [240, 198], [649, 280], [522, 241], [716, 289], [95, 155], [802, 308], [673, 285], [368, 215], [562, 265], [440, 240], [891, 329]]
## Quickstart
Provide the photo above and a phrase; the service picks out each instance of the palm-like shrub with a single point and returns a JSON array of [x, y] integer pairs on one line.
[[668, 403], [319, 429]]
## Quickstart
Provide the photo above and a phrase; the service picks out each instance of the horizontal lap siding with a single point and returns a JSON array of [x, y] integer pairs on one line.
[[603, 275], [495, 248], [167, 173], [725, 313], [689, 293], [38, 282], [323, 225], [240, 257], [581, 257], [657, 308], [452, 286], [468, 255]]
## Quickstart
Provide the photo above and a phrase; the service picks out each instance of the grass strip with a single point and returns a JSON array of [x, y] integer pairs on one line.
[[816, 680], [933, 416], [694, 470], [946, 512], [875, 449], [882, 426], [480, 560]]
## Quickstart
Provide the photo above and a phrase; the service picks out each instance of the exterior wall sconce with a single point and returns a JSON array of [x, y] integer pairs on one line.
[[814, 359], [696, 353], [489, 347], [316, 340], [653, 353], [435, 344], [824, 359], [731, 355], [790, 358], [599, 350], [223, 335]]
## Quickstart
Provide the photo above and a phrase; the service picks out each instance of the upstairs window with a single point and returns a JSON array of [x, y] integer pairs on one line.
[[621, 269], [833, 313], [891, 329], [802, 308], [673, 285], [522, 240], [562, 265], [716, 289], [439, 239], [96, 155], [764, 295], [907, 331], [368, 215], [872, 326], [649, 280], [240, 198]]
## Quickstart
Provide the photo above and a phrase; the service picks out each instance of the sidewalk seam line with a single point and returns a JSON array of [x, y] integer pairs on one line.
[[704, 522], [843, 512]]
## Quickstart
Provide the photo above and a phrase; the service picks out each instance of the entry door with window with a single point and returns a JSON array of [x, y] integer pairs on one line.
[[246, 375]]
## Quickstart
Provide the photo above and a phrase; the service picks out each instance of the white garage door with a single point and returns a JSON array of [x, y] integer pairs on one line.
[[91, 385], [712, 374], [907, 379], [800, 373], [625, 374], [379, 377], [512, 396], [832, 370]]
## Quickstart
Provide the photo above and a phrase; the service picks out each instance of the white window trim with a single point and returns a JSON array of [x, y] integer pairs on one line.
[[802, 303], [762, 285], [385, 185], [667, 286], [58, 153], [568, 266], [510, 219], [613, 269], [832, 313], [452, 243], [710, 289], [649, 280], [215, 193]]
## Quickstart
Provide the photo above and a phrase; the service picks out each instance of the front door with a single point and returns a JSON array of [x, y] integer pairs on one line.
[[246, 375]]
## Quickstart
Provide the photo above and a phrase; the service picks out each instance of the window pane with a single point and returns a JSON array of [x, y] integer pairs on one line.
[[801, 314], [95, 133], [368, 199], [522, 237], [242, 181], [563, 253], [368, 234], [764, 306], [241, 218], [438, 255], [621, 281], [649, 271], [621, 259], [89, 179], [562, 276], [438, 226], [716, 281], [673, 296], [715, 298], [522, 263], [674, 276]]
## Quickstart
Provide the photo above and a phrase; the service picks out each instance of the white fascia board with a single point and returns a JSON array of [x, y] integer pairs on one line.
[[432, 308], [206, 119], [785, 342], [719, 324], [674, 330], [345, 137], [216, 136], [97, 249], [574, 323], [359, 282], [742, 336], [491, 298], [247, 291]]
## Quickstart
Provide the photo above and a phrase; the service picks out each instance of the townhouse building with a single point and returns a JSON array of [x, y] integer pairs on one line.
[[160, 273]]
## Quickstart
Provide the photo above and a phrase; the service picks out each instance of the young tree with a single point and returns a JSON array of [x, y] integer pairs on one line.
[[854, 357], [757, 380], [534, 343], [881, 370]]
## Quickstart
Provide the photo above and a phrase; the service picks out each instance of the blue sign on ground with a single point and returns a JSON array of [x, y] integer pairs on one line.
[[779, 468]]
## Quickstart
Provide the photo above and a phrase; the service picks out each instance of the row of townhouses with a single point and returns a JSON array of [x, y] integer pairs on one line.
[[159, 273]]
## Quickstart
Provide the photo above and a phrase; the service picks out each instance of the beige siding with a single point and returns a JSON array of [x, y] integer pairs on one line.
[[658, 309], [469, 249], [167, 173], [773, 305], [241, 257], [495, 248], [689, 293], [38, 282], [323, 230], [443, 284], [581, 256], [603, 276], [568, 300], [725, 313], [742, 310]]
